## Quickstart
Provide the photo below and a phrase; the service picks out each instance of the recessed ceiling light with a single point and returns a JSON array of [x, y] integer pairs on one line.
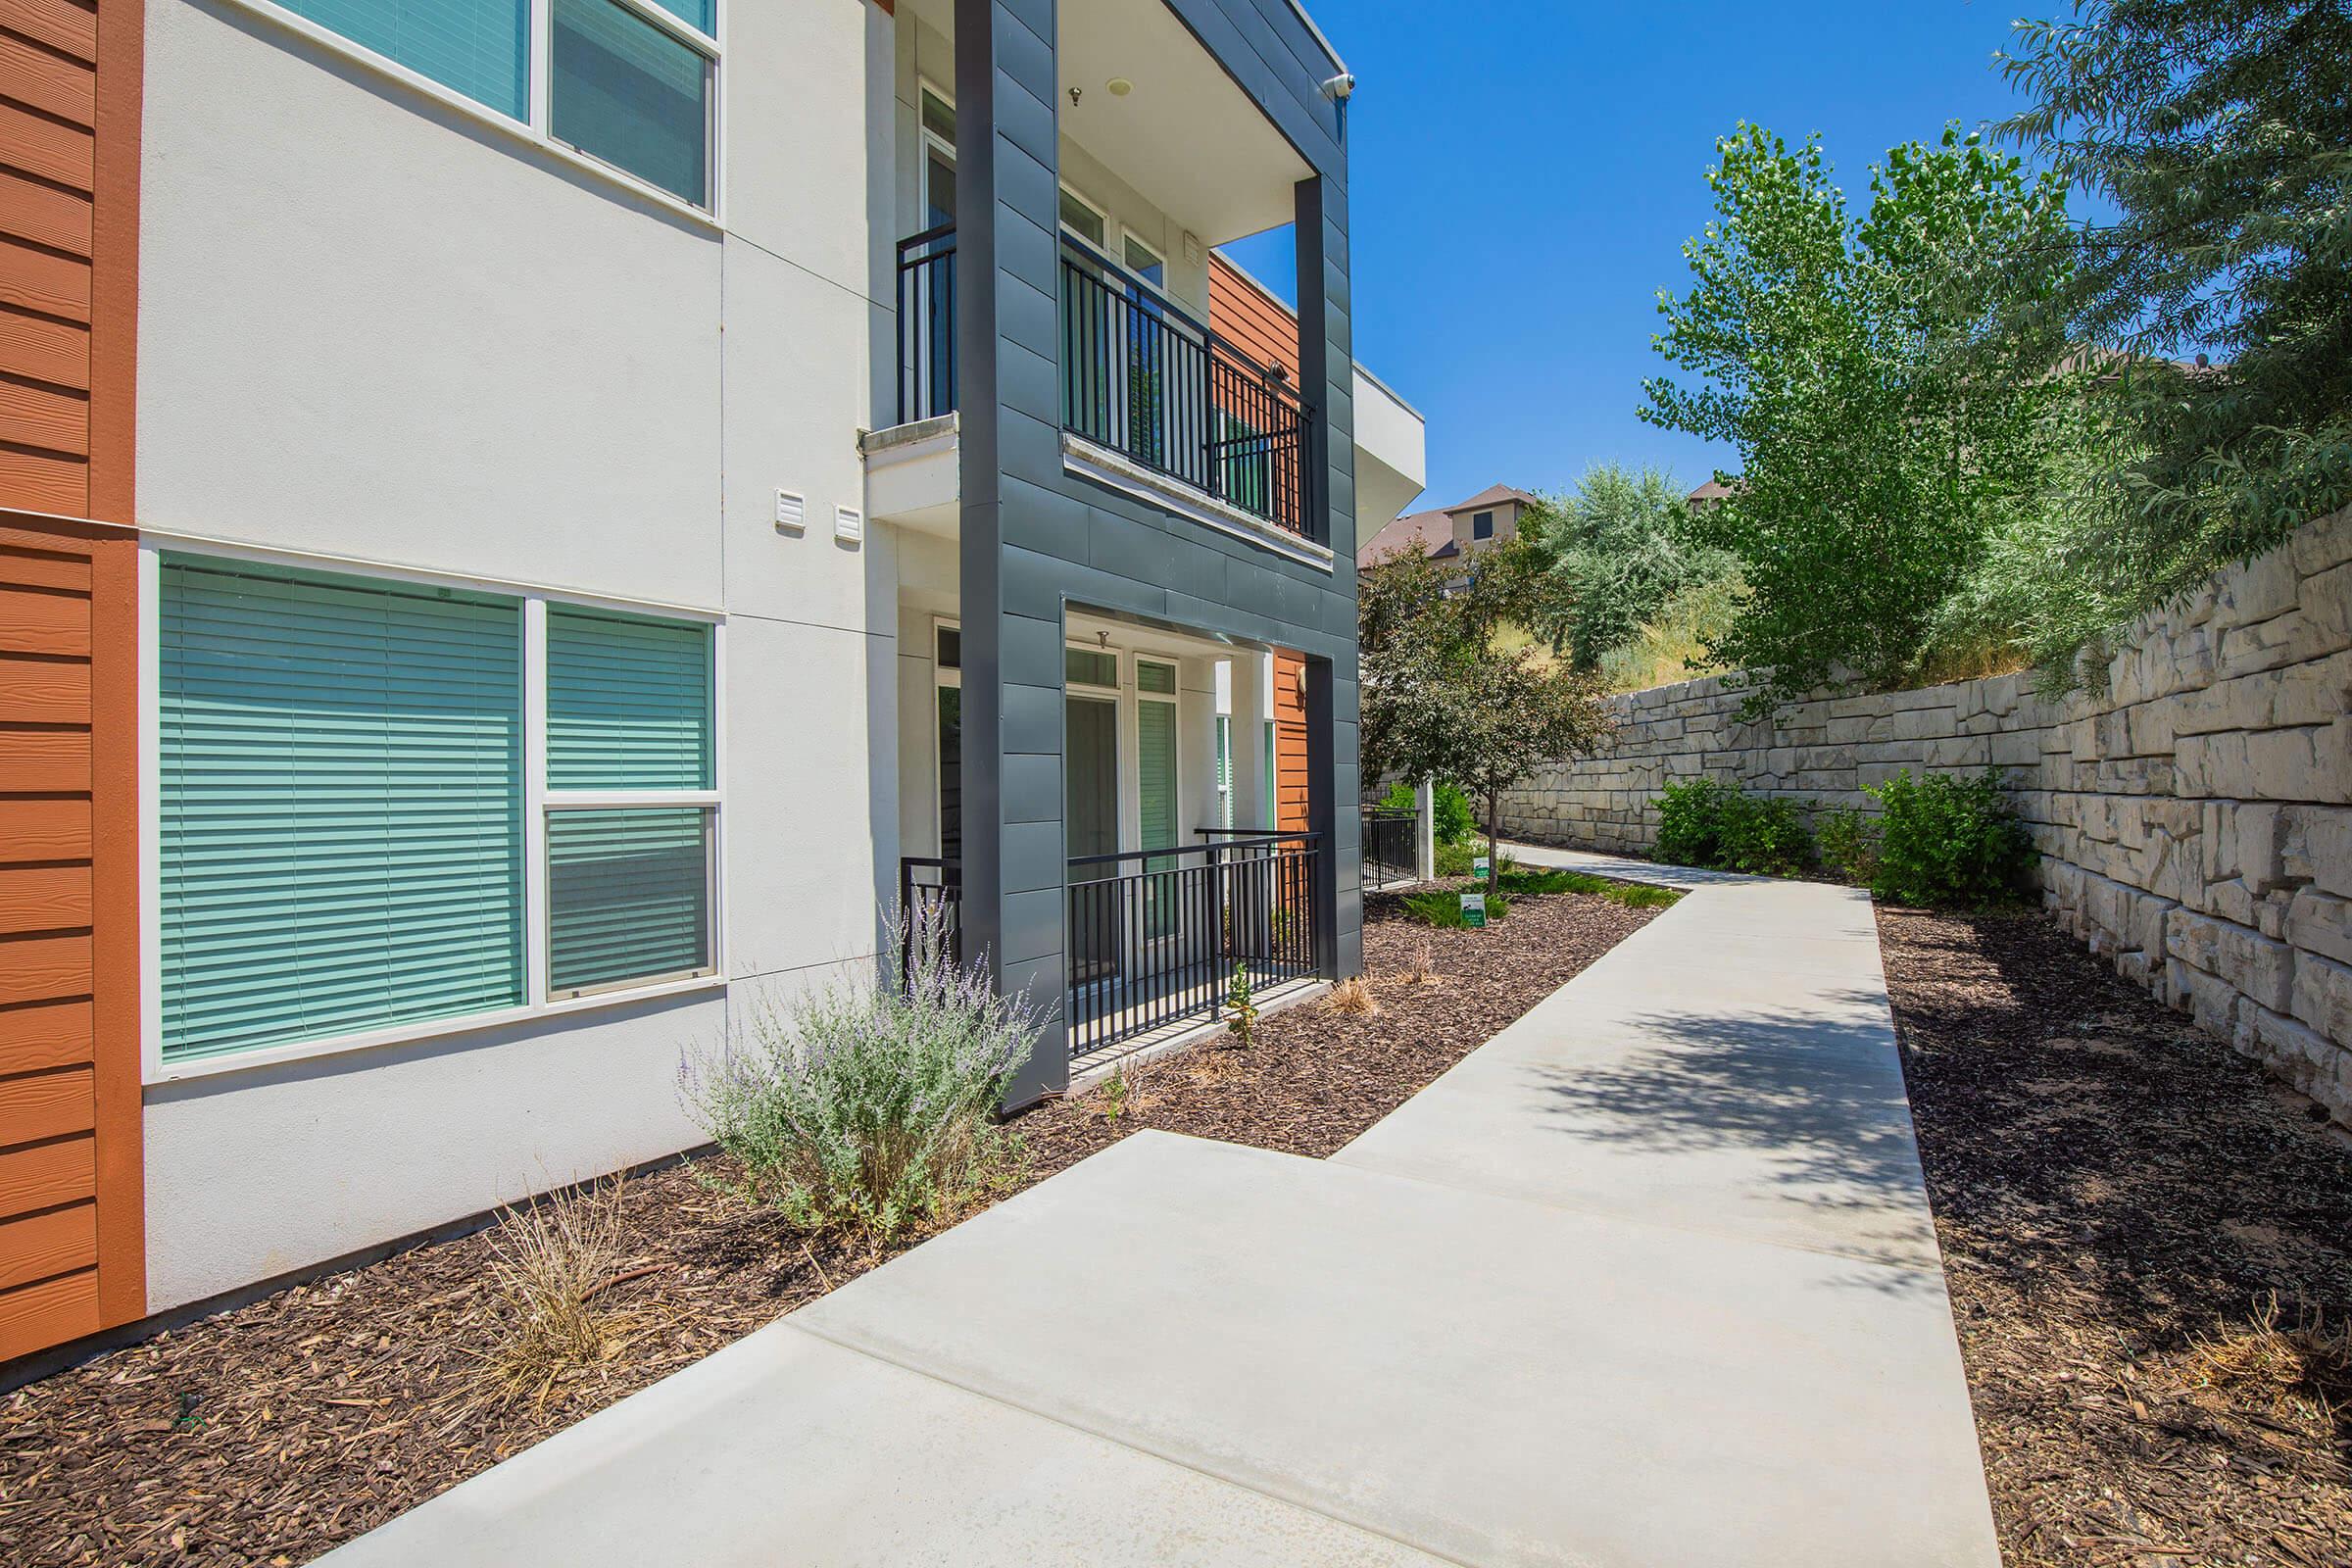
[[1119, 87]]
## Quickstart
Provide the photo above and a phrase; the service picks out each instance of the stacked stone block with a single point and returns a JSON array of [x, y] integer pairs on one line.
[[2194, 820]]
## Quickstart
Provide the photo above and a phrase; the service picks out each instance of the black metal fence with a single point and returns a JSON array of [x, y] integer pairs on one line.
[[1143, 376], [1154, 937], [1389, 851], [930, 903], [927, 325]]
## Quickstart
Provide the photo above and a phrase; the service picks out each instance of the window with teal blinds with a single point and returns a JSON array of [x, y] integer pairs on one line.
[[1155, 777], [480, 48], [628, 886], [630, 895], [628, 702], [339, 809]]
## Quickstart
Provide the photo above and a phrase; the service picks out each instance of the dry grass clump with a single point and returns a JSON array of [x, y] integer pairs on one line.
[[2302, 1371], [548, 1261], [1422, 968], [1353, 998]]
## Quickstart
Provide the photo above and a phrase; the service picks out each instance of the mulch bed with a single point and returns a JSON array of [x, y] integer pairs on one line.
[[273, 1431], [2120, 1198]]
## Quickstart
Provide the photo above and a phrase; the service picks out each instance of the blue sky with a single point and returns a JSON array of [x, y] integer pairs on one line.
[[1524, 176]]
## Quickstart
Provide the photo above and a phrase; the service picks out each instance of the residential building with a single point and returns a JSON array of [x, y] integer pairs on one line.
[[531, 522], [1453, 533]]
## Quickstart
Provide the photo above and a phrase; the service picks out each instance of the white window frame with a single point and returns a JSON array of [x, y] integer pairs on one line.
[[536, 128], [941, 675], [537, 801], [1102, 213]]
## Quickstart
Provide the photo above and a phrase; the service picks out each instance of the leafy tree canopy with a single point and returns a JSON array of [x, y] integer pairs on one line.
[[1890, 382], [1611, 553], [2220, 132], [1440, 698]]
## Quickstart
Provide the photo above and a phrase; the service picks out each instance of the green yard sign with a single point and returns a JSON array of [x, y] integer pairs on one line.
[[1474, 909]]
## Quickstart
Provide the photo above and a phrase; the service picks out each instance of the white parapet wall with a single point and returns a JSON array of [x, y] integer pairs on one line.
[[2194, 820]]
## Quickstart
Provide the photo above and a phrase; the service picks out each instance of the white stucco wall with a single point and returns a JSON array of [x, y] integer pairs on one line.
[[374, 328]]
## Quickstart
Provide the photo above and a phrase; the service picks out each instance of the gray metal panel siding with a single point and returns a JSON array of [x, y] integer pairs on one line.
[[1036, 541]]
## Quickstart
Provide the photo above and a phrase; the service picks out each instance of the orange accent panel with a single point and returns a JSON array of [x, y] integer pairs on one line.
[[70, 1063], [40, 1247], [56, 761], [45, 1175], [1258, 324], [66, 154], [114, 260], [55, 1034], [1291, 783], [44, 968], [62, 25], [44, 830], [37, 622], [44, 898], [43, 481], [49, 1314], [57, 218], [43, 691], [55, 352], [47, 1104], [35, 281], [39, 79], [42, 416]]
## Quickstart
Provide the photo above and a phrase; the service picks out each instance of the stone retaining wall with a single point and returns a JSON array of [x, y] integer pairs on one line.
[[2196, 821]]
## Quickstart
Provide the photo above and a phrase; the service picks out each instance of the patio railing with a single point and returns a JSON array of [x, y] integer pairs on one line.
[[1140, 375], [1390, 852], [1154, 936]]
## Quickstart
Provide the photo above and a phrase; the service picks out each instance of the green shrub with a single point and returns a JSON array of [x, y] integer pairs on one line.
[[1764, 835], [1948, 843], [1849, 842], [1451, 818], [1436, 907], [1706, 823], [868, 1108], [1453, 860], [1690, 822]]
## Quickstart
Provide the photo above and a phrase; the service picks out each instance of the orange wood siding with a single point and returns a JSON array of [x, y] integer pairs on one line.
[[70, 90], [1249, 318], [71, 1220], [1290, 742]]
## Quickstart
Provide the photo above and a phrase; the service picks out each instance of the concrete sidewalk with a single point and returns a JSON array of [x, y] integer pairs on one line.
[[1648, 1279]]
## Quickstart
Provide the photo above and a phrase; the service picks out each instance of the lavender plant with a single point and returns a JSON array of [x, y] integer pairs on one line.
[[869, 1106]]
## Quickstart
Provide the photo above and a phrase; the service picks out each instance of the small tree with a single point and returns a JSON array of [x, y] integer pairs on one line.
[[1613, 552], [1440, 698]]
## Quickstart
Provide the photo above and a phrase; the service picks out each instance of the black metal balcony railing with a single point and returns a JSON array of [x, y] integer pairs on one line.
[[930, 907], [1143, 378], [1154, 936], [1390, 854], [927, 325], [1140, 375]]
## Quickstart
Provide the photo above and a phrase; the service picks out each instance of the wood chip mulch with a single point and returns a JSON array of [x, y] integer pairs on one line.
[[2149, 1250], [273, 1431]]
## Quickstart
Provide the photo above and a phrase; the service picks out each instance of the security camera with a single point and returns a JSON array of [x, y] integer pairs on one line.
[[1340, 88]]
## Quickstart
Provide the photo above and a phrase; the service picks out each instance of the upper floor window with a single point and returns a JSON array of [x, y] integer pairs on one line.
[[1481, 525], [631, 83]]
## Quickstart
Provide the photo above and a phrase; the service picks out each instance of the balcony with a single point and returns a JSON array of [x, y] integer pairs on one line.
[[1152, 936], [1152, 401]]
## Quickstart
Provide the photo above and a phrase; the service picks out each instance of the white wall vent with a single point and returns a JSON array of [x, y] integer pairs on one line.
[[849, 524], [791, 512]]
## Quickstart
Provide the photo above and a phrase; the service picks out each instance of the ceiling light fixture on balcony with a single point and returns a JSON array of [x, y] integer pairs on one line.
[[1119, 87]]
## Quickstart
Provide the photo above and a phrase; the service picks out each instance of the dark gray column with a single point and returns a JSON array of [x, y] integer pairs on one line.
[[1006, 287], [1327, 376]]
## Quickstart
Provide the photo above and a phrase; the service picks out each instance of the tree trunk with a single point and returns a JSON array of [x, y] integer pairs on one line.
[[1493, 843]]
